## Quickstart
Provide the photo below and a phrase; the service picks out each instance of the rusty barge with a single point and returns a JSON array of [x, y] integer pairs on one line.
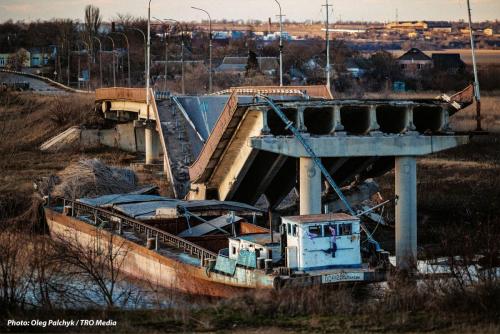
[[216, 248]]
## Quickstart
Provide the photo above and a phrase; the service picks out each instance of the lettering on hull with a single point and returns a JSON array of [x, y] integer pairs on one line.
[[342, 277]]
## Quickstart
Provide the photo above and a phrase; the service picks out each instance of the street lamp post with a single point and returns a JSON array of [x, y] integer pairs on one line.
[[88, 63], [209, 47], [148, 59], [166, 53], [128, 54], [78, 74], [113, 57], [281, 44], [144, 37], [327, 37], [100, 59], [182, 56], [68, 69]]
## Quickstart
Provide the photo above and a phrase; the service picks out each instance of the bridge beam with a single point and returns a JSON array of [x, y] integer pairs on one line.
[[359, 146]]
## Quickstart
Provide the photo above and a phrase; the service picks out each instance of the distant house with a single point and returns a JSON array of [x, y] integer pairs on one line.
[[407, 25], [40, 57], [267, 65], [4, 59], [414, 61], [16, 60], [448, 62], [488, 32]]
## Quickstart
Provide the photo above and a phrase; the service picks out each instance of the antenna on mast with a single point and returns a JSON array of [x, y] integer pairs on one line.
[[477, 93]]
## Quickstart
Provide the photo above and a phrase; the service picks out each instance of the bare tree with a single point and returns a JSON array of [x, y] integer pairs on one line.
[[14, 257], [18, 60], [93, 20], [99, 260]]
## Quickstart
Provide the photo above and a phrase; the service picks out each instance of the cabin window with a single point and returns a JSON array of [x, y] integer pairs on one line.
[[330, 230], [294, 230], [315, 231], [345, 229], [233, 249], [289, 228]]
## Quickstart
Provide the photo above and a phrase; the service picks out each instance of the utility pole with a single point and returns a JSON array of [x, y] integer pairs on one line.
[[281, 43], [477, 94], [327, 37], [209, 47]]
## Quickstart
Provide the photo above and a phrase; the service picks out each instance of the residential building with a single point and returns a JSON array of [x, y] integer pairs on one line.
[[267, 65], [414, 61], [40, 57], [448, 62], [11, 59]]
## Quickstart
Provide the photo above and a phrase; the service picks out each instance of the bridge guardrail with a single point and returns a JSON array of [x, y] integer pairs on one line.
[[47, 80], [97, 214], [121, 93]]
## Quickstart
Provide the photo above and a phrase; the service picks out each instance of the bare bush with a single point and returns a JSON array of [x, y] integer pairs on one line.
[[74, 110]]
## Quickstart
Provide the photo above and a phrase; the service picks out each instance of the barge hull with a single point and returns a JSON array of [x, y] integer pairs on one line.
[[142, 263]]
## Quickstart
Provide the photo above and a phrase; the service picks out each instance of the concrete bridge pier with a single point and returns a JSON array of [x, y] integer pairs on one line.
[[310, 187], [152, 143], [406, 212]]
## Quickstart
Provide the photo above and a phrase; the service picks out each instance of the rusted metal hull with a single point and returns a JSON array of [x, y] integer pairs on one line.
[[149, 265]]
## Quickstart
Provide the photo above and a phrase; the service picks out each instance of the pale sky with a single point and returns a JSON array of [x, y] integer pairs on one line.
[[298, 10]]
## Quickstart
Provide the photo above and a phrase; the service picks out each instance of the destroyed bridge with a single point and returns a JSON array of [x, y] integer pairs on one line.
[[238, 145]]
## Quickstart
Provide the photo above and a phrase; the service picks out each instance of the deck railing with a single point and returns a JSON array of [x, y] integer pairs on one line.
[[99, 215]]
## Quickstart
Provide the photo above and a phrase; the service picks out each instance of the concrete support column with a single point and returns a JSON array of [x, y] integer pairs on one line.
[[301, 125], [310, 187], [445, 120], [374, 126], [151, 142], [410, 126], [336, 121], [406, 212], [265, 125]]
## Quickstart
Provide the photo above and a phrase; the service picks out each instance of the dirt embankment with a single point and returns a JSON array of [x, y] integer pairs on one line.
[[28, 119]]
